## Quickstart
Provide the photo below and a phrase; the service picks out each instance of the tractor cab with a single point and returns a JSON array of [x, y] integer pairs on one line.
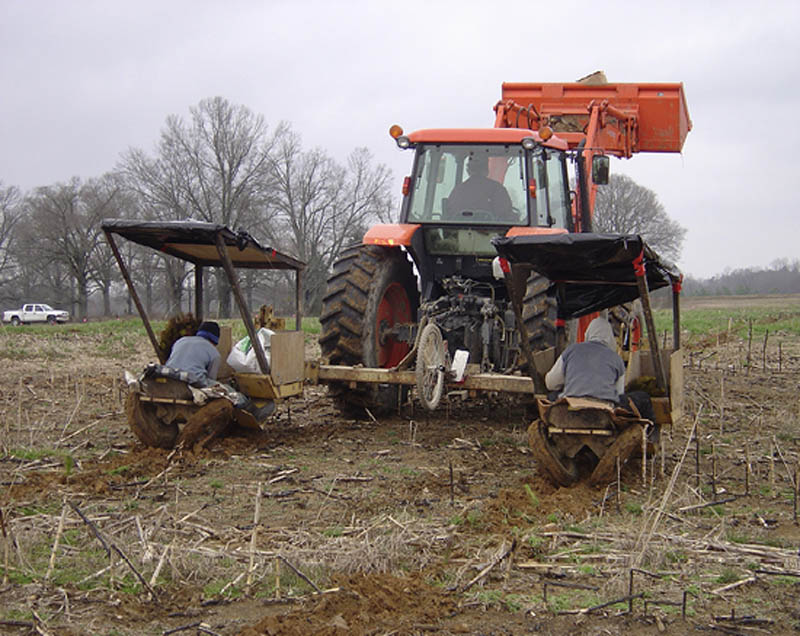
[[467, 186], [486, 177]]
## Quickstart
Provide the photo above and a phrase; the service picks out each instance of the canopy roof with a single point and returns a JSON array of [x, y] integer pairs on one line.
[[595, 270], [196, 242]]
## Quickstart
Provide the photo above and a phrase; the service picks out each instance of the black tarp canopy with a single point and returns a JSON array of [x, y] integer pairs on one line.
[[590, 272], [196, 242]]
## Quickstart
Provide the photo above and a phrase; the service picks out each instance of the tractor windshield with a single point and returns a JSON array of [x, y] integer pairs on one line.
[[488, 184]]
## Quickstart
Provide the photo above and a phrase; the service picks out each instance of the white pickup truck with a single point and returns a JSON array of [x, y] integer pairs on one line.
[[35, 312]]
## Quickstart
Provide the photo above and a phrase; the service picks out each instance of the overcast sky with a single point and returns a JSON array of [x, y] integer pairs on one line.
[[84, 81]]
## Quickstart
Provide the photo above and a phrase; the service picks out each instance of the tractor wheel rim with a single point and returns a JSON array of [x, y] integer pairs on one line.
[[393, 308]]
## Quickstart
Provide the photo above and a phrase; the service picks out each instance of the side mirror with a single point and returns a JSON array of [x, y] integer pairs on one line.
[[600, 164]]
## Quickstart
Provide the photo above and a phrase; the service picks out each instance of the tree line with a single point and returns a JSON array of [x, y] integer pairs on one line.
[[223, 164], [781, 277]]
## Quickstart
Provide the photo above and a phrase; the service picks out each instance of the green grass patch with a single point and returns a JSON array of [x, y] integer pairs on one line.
[[675, 556], [532, 496], [471, 519], [701, 322], [633, 508], [38, 454], [18, 578], [214, 589], [536, 543], [784, 580], [112, 338], [728, 575], [30, 454], [578, 599], [500, 600]]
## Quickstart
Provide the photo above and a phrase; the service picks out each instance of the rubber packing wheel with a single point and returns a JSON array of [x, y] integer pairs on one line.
[[561, 473], [623, 447]]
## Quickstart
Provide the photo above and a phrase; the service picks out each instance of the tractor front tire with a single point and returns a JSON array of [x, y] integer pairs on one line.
[[372, 289]]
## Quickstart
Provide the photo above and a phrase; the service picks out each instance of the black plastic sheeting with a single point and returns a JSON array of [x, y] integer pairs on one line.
[[195, 241], [594, 271]]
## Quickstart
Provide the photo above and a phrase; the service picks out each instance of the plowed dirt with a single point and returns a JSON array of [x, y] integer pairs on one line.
[[415, 524]]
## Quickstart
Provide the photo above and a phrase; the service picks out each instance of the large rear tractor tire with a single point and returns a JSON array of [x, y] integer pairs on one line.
[[372, 289], [147, 426], [539, 313], [562, 471]]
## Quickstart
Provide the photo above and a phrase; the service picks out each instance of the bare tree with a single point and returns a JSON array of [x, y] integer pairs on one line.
[[63, 227], [318, 205], [625, 207], [104, 198], [214, 168], [10, 213]]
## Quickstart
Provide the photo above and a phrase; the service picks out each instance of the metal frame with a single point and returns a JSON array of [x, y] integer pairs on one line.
[[189, 241]]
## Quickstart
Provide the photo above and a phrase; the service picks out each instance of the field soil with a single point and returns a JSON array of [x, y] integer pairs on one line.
[[415, 523]]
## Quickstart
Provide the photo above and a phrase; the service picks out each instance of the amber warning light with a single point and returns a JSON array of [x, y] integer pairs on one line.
[[395, 131]]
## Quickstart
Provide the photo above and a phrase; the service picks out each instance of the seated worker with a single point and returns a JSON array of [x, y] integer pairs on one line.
[[198, 356], [593, 369], [480, 193]]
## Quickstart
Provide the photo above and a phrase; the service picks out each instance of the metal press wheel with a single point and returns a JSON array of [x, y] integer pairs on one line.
[[431, 366]]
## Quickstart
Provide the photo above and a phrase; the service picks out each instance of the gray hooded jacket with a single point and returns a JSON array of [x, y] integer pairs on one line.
[[591, 368]]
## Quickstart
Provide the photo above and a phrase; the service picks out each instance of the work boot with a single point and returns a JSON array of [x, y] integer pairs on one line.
[[261, 413]]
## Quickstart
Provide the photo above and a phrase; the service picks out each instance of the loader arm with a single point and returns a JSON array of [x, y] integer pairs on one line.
[[598, 119]]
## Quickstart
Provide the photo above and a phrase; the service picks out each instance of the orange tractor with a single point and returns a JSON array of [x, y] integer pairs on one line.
[[426, 287]]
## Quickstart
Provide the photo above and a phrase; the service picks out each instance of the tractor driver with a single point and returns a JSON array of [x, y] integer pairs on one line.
[[594, 369], [480, 193]]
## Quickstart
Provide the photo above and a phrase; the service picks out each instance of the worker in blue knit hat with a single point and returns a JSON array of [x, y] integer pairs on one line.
[[198, 355]]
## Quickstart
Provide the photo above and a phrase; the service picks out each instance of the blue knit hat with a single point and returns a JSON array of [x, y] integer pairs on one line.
[[209, 331]]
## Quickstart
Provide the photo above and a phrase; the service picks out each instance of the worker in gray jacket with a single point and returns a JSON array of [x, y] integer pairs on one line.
[[198, 355], [593, 369]]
